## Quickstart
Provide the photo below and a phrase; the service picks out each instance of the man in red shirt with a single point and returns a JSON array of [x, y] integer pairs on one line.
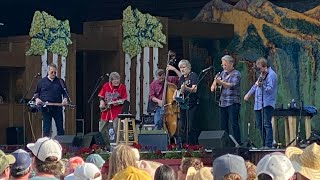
[[112, 96]]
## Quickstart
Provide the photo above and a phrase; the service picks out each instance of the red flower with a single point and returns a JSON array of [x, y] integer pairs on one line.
[[94, 146], [185, 146], [136, 145], [158, 152]]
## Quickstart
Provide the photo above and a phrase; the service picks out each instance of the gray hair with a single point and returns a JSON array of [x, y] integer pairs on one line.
[[52, 65], [184, 62], [228, 58], [114, 75]]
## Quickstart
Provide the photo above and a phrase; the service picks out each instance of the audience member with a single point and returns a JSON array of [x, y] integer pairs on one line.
[[95, 159], [72, 163], [203, 173], [47, 153], [228, 167], [5, 162], [132, 173], [86, 171], [22, 167], [121, 157], [164, 172], [186, 163], [275, 167], [251, 170], [305, 162]]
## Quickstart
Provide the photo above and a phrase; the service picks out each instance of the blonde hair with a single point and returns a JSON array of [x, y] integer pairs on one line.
[[231, 176], [190, 162], [251, 170], [262, 61], [121, 157]]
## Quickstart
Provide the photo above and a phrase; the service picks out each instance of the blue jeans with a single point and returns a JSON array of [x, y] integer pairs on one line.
[[47, 114], [230, 114], [158, 123], [266, 131]]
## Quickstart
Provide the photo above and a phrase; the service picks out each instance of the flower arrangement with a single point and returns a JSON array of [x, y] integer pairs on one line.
[[47, 32], [140, 30]]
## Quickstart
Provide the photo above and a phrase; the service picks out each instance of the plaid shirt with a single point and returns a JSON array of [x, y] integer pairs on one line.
[[230, 95]]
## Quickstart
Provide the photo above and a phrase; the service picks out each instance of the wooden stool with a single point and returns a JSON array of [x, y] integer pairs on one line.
[[125, 119]]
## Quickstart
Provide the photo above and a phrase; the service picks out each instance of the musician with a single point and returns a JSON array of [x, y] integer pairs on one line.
[[53, 90], [187, 88], [172, 68], [229, 102], [265, 92], [155, 95], [112, 95]]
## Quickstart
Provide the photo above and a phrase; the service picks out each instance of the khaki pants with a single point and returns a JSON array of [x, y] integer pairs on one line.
[[108, 130]]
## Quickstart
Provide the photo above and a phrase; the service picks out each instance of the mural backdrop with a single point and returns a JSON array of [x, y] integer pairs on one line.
[[290, 41]]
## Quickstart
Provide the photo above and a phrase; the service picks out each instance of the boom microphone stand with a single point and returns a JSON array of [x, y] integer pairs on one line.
[[23, 100], [91, 100]]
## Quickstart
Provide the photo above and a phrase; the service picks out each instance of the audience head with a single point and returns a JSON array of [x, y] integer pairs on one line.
[[276, 166], [72, 163], [5, 162], [229, 165], [22, 166], [96, 159], [305, 162], [121, 157], [203, 173], [47, 153], [251, 170], [132, 173], [186, 163], [87, 171], [164, 172]]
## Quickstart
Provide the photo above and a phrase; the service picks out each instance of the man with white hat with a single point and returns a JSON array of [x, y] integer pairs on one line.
[[87, 171], [22, 167], [48, 153], [229, 164], [275, 167], [5, 162]]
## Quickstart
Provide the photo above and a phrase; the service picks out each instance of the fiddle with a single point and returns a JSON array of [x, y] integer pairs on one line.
[[261, 78]]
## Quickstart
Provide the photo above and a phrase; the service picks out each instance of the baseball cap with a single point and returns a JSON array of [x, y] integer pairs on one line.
[[95, 159], [87, 171], [46, 147], [277, 166], [23, 161], [229, 163], [5, 160]]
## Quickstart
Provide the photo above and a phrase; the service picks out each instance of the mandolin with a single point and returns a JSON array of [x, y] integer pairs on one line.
[[108, 104]]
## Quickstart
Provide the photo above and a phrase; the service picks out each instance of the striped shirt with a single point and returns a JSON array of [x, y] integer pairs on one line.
[[230, 95]]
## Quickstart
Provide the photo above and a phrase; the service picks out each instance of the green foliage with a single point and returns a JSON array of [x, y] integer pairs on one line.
[[301, 26], [46, 32], [140, 30]]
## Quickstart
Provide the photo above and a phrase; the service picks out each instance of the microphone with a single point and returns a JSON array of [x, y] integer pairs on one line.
[[38, 74], [107, 74], [207, 69]]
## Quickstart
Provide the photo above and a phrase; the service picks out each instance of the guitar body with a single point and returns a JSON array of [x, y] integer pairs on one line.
[[108, 104]]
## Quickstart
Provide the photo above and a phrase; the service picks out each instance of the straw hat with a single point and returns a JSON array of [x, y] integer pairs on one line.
[[307, 161], [203, 174]]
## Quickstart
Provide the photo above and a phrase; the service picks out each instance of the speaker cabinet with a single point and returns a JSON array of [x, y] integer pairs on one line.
[[69, 140], [14, 135], [152, 141], [93, 138], [214, 139]]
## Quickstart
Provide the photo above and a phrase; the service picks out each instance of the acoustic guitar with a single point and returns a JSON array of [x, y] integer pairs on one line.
[[218, 91], [108, 104]]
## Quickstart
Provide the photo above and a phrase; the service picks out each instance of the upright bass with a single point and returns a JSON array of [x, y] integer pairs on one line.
[[171, 109]]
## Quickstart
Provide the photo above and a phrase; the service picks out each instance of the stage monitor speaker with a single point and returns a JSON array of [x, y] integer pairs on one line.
[[150, 140], [93, 138], [69, 140], [14, 135], [214, 139]]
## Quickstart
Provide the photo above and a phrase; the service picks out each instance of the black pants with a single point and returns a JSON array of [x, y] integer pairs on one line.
[[47, 114], [187, 121], [230, 114]]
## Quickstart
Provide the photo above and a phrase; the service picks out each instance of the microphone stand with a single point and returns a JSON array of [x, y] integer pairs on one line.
[[23, 100], [91, 100]]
